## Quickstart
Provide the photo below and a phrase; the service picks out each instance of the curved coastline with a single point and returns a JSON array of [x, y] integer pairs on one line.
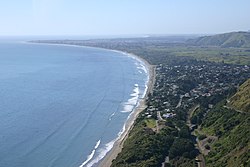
[[118, 144]]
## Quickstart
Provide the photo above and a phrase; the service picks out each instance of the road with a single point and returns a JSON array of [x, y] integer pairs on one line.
[[230, 108], [201, 161], [200, 157], [179, 104], [190, 114], [159, 116]]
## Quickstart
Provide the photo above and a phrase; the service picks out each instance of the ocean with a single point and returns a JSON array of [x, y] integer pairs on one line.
[[64, 106]]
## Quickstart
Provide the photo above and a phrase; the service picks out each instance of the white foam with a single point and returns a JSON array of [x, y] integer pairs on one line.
[[122, 131], [97, 144], [131, 103], [145, 91], [142, 68], [139, 62], [128, 107], [102, 152], [92, 154], [111, 116]]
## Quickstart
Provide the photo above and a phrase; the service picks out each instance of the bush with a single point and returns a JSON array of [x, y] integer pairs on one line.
[[201, 137], [180, 146], [207, 147]]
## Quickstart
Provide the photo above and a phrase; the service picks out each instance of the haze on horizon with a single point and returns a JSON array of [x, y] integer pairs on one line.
[[127, 17]]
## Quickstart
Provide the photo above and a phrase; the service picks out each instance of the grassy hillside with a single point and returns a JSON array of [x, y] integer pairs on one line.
[[231, 127], [233, 39], [233, 145], [151, 142], [241, 100]]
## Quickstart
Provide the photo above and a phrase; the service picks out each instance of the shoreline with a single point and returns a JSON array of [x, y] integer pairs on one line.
[[118, 145]]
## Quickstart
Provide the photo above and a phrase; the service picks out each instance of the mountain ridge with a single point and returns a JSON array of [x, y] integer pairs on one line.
[[231, 39]]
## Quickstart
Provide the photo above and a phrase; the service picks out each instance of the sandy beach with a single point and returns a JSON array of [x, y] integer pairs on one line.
[[118, 145]]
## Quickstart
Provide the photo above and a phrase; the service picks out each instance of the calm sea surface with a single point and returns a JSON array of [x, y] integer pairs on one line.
[[64, 106]]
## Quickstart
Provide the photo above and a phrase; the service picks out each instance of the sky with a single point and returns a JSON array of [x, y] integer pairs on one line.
[[122, 17]]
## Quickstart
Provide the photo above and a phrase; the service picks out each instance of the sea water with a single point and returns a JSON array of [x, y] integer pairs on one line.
[[64, 106]]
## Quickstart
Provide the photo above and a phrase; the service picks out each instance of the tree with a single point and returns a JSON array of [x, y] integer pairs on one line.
[[180, 146]]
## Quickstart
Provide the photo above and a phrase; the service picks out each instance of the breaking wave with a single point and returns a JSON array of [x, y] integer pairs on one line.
[[92, 154], [132, 102]]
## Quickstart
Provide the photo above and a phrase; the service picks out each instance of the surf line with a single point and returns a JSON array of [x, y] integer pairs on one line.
[[90, 156]]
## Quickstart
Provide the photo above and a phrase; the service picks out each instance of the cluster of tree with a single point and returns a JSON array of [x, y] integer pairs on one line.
[[204, 102], [144, 147], [187, 85], [182, 147]]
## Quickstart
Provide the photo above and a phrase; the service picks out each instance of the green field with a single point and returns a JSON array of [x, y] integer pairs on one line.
[[216, 54], [150, 123]]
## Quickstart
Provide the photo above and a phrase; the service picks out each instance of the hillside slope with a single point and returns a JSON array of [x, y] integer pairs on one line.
[[233, 145], [233, 39], [231, 128], [241, 100]]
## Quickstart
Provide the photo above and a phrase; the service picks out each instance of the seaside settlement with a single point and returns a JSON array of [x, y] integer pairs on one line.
[[184, 94], [188, 120]]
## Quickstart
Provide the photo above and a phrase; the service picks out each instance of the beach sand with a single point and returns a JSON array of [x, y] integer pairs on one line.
[[118, 145]]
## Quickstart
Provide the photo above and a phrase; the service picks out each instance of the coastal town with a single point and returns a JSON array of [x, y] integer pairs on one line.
[[132, 83], [180, 87], [191, 87], [168, 131]]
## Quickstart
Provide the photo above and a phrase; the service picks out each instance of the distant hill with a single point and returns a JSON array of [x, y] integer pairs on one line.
[[233, 39], [241, 100]]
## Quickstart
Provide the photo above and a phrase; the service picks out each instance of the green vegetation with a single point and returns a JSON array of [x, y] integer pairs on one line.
[[232, 48], [182, 147], [233, 145], [241, 100], [233, 39], [144, 147], [151, 123], [232, 129], [197, 116], [214, 54], [164, 50], [189, 74], [201, 137]]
